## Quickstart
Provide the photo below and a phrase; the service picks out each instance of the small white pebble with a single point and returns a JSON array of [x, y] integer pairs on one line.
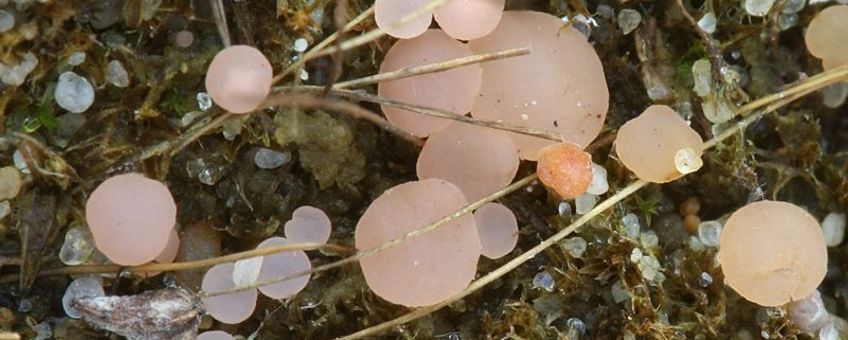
[[631, 225], [544, 280], [246, 272], [303, 74], [702, 75], [695, 244], [83, 287], [74, 93], [708, 23], [628, 20], [78, 246], [117, 75], [833, 227], [10, 182], [706, 280], [809, 313], [619, 294], [709, 233], [575, 246], [300, 45], [7, 20], [584, 203], [834, 95], [76, 58], [649, 239], [758, 8], [687, 161], [18, 159], [599, 184], [564, 209], [636, 255], [270, 159], [204, 101], [14, 75], [5, 209]]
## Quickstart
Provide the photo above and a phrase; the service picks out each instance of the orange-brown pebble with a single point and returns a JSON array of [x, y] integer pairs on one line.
[[690, 206], [566, 169], [691, 223]]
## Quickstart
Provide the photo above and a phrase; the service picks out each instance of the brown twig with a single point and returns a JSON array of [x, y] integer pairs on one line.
[[177, 266], [432, 68], [306, 100], [433, 112]]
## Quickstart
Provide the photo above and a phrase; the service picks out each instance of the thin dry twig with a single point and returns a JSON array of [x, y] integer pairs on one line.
[[306, 100], [221, 21], [389, 244], [177, 266], [309, 55], [433, 112], [377, 32], [432, 68], [777, 101]]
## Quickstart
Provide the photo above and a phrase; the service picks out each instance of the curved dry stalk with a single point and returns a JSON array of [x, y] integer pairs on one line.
[[389, 244], [432, 112], [775, 102], [306, 100], [432, 68], [309, 55], [177, 266]]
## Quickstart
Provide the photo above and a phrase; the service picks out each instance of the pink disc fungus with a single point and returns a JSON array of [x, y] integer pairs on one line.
[[308, 225], [498, 230], [575, 99], [387, 13], [427, 269], [659, 146], [772, 253], [566, 169], [230, 308], [239, 78], [478, 160], [215, 335], [131, 218], [469, 19], [169, 254], [826, 35], [451, 90], [283, 264]]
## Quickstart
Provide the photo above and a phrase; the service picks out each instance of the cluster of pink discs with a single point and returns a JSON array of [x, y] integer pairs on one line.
[[308, 225]]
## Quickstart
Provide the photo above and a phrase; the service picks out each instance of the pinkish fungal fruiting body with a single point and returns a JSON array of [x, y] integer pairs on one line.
[[469, 19], [772, 253], [566, 169], [427, 269], [283, 264], [453, 90], [389, 12], [478, 160], [827, 36], [239, 78], [308, 225], [215, 335], [131, 218], [559, 86], [498, 230], [229, 308], [659, 146]]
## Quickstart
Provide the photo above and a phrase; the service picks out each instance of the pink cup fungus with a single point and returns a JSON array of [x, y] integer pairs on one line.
[[283, 264], [308, 225], [566, 169], [498, 230], [169, 254], [659, 146], [131, 218], [772, 253], [461, 19], [469, 19], [215, 335], [575, 98], [827, 36], [476, 159], [230, 308], [428, 269], [239, 78], [452, 90]]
